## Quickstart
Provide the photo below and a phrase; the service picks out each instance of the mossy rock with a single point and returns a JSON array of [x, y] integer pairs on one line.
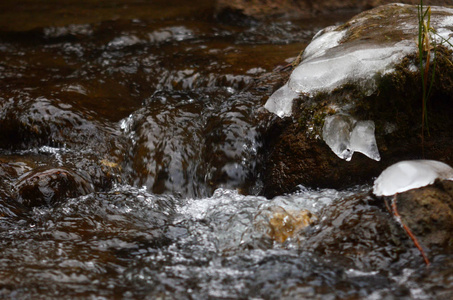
[[295, 151]]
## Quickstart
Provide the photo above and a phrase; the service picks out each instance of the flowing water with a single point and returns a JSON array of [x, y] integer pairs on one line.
[[131, 135]]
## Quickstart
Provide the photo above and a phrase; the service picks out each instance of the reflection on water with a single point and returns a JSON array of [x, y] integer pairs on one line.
[[130, 147]]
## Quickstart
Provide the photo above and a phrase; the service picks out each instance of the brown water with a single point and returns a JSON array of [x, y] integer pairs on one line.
[[127, 129]]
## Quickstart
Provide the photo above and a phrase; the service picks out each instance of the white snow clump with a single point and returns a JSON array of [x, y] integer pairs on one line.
[[411, 174], [344, 135]]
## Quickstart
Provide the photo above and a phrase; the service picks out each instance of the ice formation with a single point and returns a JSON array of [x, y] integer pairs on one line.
[[280, 103], [334, 59], [344, 135], [351, 64], [324, 40], [336, 133], [412, 174], [326, 65], [363, 140]]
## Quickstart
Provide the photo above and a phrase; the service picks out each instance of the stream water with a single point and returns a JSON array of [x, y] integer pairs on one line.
[[130, 141]]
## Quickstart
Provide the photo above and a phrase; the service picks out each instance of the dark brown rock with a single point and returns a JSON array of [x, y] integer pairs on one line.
[[28, 121], [359, 231], [297, 159], [428, 212], [364, 230]]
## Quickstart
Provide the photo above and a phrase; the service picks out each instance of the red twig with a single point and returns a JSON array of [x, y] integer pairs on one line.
[[408, 231]]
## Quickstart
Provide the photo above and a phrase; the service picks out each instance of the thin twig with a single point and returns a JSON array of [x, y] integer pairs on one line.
[[408, 231]]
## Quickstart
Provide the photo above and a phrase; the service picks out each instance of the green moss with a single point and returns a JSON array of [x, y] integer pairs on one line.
[[378, 24]]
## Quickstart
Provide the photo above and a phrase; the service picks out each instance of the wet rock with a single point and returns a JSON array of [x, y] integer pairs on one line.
[[300, 8], [28, 121], [100, 175], [418, 194], [41, 132], [359, 231], [428, 212], [363, 232], [12, 168], [296, 159], [51, 186], [391, 99], [166, 139]]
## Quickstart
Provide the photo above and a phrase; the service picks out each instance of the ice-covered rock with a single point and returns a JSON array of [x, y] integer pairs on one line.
[[328, 66], [344, 135], [336, 56], [408, 175], [322, 41], [375, 49], [280, 102], [358, 65]]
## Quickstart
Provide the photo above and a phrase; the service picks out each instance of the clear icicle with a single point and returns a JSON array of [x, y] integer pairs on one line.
[[344, 135]]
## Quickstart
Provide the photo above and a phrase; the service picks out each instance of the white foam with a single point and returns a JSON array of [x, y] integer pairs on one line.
[[229, 220]]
